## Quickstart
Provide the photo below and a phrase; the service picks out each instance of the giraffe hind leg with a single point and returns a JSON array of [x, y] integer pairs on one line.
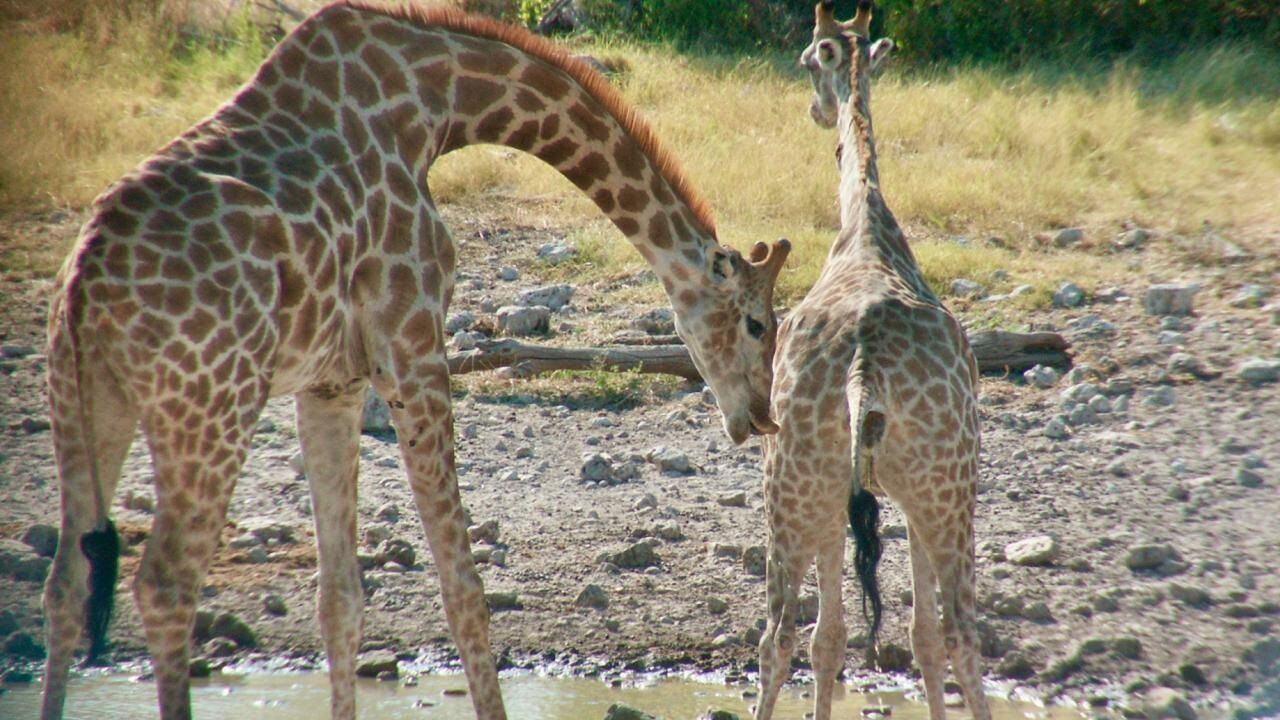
[[114, 420], [329, 432], [197, 453], [926, 638]]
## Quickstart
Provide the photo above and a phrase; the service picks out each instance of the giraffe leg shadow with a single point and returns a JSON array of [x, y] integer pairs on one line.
[[329, 433]]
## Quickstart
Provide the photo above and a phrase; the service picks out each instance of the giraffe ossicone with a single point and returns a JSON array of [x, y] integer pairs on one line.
[[288, 244], [875, 394]]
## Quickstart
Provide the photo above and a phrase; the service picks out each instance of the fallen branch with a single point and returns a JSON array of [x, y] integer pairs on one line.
[[997, 351]]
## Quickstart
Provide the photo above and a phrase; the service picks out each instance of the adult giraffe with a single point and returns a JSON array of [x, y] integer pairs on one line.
[[875, 395], [289, 244]]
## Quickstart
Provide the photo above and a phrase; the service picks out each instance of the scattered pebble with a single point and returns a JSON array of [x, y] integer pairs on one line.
[[1170, 299], [1036, 551], [1068, 295]]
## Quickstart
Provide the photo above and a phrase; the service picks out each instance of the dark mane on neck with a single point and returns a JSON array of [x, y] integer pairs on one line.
[[595, 85]]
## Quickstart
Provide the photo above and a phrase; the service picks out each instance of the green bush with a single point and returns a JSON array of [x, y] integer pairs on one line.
[[951, 30]]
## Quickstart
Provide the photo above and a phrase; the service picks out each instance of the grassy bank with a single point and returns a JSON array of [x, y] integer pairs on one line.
[[972, 152]]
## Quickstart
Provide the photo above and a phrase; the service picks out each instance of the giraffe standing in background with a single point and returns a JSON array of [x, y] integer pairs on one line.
[[874, 393], [289, 244]]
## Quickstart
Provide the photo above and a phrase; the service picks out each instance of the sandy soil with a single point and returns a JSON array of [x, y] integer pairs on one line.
[[1198, 475]]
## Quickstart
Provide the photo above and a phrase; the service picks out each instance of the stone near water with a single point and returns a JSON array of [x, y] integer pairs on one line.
[[593, 596], [230, 626], [520, 321], [552, 297], [620, 711], [20, 562], [22, 645], [219, 647], [1170, 299], [42, 538], [892, 657], [1033, 552], [374, 664]]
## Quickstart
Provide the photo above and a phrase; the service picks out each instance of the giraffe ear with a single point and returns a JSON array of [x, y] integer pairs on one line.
[[724, 264], [880, 51], [827, 53]]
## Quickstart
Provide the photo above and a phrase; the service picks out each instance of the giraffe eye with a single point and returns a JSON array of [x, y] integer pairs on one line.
[[755, 327]]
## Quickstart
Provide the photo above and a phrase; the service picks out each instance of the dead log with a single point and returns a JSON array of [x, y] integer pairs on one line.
[[997, 351]]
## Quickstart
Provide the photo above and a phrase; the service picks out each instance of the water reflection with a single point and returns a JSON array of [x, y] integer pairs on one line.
[[305, 696]]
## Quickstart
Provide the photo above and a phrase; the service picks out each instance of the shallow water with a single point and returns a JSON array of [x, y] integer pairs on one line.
[[305, 696]]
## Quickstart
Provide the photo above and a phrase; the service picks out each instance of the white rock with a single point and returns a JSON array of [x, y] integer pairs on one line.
[[963, 287], [1035, 551], [1056, 429], [523, 320], [1170, 299], [554, 253], [550, 296], [670, 460], [597, 467]]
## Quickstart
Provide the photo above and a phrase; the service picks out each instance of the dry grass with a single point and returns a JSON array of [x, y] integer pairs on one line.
[[967, 152]]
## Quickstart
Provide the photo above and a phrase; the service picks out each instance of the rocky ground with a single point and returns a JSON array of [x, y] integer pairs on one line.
[[1129, 553]]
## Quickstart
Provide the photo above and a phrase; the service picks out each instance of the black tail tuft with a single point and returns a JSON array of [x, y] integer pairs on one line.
[[102, 548], [864, 519]]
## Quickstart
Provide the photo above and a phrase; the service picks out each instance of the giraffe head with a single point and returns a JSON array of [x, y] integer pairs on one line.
[[729, 326], [830, 58]]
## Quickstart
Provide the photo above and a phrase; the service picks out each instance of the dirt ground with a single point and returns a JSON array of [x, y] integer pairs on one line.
[[1161, 503]]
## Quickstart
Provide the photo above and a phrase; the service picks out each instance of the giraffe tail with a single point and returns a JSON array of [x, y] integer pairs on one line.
[[867, 428], [101, 545]]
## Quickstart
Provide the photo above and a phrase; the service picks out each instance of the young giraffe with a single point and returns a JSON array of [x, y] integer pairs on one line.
[[289, 244], [873, 392]]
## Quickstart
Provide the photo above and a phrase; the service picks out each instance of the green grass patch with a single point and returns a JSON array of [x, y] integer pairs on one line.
[[578, 390], [969, 151]]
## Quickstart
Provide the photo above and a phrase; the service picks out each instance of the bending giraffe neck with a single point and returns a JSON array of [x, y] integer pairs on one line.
[[406, 86]]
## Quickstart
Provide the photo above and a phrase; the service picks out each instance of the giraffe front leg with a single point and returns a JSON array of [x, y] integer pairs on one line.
[[782, 584], [424, 425], [329, 433], [831, 635]]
